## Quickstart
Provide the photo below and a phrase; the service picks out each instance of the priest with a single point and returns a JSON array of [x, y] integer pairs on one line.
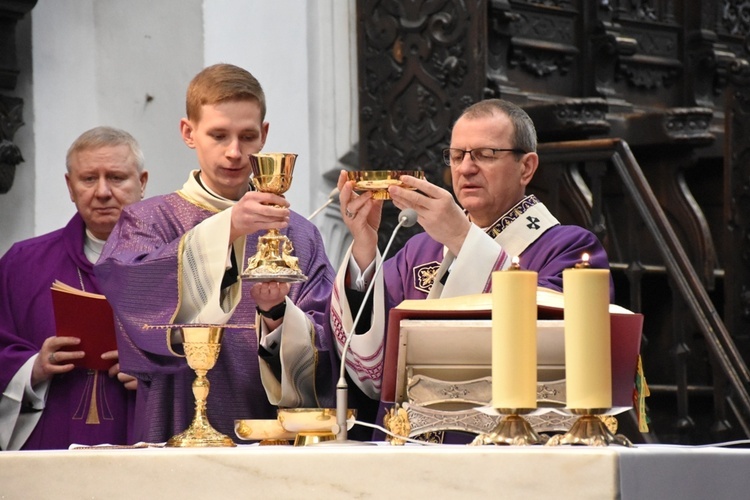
[[48, 403], [492, 158]]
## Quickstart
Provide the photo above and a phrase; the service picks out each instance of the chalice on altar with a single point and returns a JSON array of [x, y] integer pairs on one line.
[[273, 260], [202, 344]]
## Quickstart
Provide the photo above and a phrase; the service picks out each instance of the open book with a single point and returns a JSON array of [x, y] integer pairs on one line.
[[546, 299], [89, 317], [476, 312]]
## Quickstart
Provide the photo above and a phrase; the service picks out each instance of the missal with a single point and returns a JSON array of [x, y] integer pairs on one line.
[[89, 317], [547, 301]]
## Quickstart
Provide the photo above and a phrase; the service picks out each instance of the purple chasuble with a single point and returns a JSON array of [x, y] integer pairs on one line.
[[71, 414], [408, 274], [139, 273]]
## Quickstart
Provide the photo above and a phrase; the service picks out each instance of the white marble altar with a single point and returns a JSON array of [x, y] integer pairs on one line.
[[332, 472]]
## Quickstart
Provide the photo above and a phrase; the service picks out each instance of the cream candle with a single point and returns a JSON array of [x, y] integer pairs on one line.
[[588, 358], [514, 338]]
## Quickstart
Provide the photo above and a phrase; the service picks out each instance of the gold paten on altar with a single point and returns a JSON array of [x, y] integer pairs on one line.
[[312, 425], [273, 260]]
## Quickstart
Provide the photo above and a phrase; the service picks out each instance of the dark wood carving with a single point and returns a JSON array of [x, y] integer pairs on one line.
[[420, 65], [11, 119], [11, 108], [737, 204]]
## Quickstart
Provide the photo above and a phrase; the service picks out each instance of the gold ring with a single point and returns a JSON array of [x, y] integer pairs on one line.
[[51, 358]]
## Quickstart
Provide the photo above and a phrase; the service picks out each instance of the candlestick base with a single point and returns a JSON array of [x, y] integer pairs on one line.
[[512, 430], [589, 430]]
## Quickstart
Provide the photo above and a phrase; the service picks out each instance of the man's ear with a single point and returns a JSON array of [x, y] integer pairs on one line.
[[143, 177], [529, 162], [70, 187], [263, 134], [186, 131]]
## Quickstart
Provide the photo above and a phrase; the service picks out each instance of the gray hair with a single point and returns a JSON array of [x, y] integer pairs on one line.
[[100, 137], [524, 132]]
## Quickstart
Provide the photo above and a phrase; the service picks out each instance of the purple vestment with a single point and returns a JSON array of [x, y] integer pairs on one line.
[[140, 276], [559, 248], [27, 271]]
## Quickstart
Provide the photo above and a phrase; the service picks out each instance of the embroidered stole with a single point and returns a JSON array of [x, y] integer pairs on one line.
[[518, 228]]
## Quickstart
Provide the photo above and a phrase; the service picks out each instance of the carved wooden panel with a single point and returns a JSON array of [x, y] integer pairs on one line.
[[737, 204], [420, 64], [11, 108]]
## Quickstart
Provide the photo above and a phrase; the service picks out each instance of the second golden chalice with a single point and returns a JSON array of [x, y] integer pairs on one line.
[[202, 345], [273, 260]]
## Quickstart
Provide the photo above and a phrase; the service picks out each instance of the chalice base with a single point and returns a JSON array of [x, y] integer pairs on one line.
[[589, 430], [273, 261], [311, 438], [200, 434], [513, 430], [274, 272]]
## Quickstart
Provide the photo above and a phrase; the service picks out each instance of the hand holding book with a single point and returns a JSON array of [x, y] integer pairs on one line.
[[87, 316]]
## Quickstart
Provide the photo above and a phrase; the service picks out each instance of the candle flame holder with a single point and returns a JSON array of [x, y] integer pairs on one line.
[[589, 430], [512, 430]]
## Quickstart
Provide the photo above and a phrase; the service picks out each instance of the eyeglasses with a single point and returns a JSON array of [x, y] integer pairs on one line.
[[480, 156]]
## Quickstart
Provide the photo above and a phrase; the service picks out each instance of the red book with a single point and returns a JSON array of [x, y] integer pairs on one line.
[[89, 317]]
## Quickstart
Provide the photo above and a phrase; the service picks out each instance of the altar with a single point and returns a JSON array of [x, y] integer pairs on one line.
[[383, 471]]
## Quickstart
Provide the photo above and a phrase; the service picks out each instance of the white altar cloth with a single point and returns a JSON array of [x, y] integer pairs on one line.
[[332, 472]]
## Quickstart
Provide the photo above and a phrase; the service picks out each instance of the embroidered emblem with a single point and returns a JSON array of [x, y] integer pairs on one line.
[[533, 222], [424, 276], [511, 215]]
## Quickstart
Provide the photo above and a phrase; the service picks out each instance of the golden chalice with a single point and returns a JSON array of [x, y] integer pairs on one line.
[[202, 345], [273, 260], [378, 181]]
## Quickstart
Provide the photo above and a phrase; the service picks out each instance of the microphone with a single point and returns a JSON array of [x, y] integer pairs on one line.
[[407, 218], [331, 197]]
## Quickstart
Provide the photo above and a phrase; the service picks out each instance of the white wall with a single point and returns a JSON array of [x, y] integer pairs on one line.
[[128, 63]]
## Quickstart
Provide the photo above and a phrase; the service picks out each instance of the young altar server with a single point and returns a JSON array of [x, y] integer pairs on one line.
[[176, 259]]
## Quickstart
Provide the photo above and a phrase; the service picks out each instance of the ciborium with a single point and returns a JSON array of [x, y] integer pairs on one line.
[[202, 345], [273, 260]]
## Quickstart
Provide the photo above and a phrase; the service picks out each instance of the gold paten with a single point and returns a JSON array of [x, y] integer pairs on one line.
[[312, 425], [378, 181], [273, 260], [267, 431], [590, 430], [202, 345]]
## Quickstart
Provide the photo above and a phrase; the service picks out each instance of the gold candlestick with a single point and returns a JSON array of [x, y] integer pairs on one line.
[[202, 345], [589, 430], [513, 430], [273, 261]]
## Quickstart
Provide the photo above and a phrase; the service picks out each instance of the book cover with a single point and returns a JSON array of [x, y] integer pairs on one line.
[[89, 317]]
